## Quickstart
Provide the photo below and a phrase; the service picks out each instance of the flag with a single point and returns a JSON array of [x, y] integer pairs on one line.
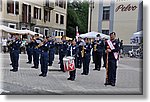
[[77, 33]]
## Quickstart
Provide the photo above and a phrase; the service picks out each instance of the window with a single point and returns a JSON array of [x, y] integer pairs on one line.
[[61, 3], [61, 33], [105, 32], [37, 13], [106, 13], [11, 25], [57, 18], [61, 19], [26, 14], [47, 15], [47, 3], [13, 7], [56, 2], [37, 29], [56, 32], [46, 32]]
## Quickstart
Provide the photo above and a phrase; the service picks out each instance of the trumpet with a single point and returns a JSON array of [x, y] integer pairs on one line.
[[42, 43]]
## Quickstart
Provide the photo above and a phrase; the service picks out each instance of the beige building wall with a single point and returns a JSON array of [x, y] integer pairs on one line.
[[94, 23], [40, 4], [125, 22]]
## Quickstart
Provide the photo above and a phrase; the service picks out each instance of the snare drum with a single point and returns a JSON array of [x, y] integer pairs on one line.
[[69, 64]]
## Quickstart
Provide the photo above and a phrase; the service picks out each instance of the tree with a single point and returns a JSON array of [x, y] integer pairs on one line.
[[77, 15]]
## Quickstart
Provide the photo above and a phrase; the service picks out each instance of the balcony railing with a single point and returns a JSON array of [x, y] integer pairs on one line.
[[49, 6]]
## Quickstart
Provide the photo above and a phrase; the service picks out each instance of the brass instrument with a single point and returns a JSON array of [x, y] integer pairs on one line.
[[42, 43], [10, 43], [82, 52], [95, 47]]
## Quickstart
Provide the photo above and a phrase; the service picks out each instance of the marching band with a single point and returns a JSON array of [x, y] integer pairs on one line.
[[72, 54]]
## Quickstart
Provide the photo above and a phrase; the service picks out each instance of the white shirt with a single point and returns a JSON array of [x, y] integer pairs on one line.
[[4, 42]]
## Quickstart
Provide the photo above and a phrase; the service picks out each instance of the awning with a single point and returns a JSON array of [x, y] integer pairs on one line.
[[93, 34], [15, 31]]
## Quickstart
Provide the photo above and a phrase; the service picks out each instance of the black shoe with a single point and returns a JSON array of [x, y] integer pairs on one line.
[[72, 79], [99, 69], [41, 75], [15, 70], [36, 67], [44, 75], [33, 67], [112, 84], [12, 70], [28, 62], [68, 78], [107, 83], [82, 73], [50, 65]]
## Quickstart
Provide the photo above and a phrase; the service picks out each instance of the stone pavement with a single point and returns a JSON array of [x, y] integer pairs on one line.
[[27, 81]]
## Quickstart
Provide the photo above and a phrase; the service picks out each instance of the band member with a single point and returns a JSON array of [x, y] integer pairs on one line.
[[9, 44], [104, 53], [73, 51], [79, 57], [44, 46], [36, 51], [29, 49], [63, 51], [86, 50], [112, 47], [93, 51], [15, 53], [98, 50], [51, 50]]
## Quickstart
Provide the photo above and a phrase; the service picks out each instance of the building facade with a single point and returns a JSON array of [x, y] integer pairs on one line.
[[124, 17], [47, 17]]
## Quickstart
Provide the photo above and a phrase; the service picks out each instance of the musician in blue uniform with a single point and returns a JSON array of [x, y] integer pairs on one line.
[[36, 51], [93, 43], [44, 46], [86, 55], [29, 49], [73, 51], [98, 49], [9, 43], [79, 57], [15, 53], [51, 51], [112, 59], [63, 51]]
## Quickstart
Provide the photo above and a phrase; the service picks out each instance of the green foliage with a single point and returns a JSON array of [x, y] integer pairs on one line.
[[77, 15]]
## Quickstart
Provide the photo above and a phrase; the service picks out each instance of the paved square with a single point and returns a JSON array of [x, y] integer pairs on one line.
[[27, 81]]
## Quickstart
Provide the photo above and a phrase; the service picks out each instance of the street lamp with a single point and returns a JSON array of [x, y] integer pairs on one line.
[[91, 5]]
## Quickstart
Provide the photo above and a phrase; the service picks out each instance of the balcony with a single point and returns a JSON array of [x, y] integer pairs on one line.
[[49, 5], [30, 20]]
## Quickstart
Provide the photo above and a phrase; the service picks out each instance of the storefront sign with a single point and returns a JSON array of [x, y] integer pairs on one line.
[[126, 8]]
